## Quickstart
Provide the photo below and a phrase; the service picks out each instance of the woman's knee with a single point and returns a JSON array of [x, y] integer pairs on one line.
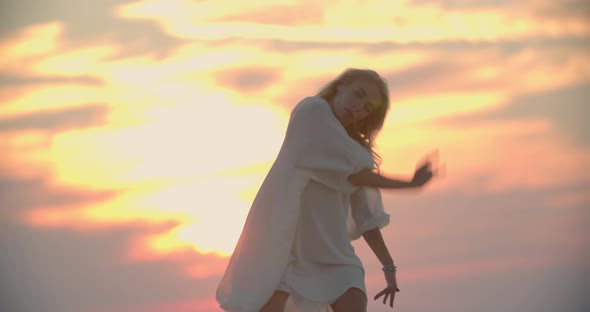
[[353, 300]]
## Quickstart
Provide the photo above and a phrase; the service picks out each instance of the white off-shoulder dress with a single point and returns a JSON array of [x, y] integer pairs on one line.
[[297, 236]]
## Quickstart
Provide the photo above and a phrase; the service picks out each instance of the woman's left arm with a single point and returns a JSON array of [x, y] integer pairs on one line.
[[375, 240]]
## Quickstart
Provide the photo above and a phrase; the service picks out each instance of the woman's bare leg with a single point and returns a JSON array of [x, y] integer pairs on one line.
[[276, 303], [353, 300]]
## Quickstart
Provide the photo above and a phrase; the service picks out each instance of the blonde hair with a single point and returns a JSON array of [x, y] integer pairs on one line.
[[365, 131]]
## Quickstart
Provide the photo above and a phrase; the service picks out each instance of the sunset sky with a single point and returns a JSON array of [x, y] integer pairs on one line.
[[135, 134]]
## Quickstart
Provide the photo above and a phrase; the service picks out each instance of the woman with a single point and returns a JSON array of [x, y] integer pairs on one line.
[[321, 192]]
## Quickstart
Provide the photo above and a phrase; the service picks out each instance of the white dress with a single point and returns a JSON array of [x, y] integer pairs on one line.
[[297, 234], [323, 264]]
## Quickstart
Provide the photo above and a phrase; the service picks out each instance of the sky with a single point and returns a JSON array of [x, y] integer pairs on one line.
[[135, 134]]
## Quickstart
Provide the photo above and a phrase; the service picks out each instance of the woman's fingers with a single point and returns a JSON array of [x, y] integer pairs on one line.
[[423, 168], [437, 168], [381, 293], [423, 178], [430, 162], [391, 299], [387, 293], [434, 156], [440, 170]]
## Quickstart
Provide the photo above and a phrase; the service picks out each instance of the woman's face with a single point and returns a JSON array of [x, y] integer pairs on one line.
[[355, 100]]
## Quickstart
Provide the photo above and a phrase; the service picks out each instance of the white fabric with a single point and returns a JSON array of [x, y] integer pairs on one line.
[[323, 263], [366, 212], [316, 149]]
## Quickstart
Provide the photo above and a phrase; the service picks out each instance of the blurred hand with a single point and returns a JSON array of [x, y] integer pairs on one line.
[[422, 175], [390, 290], [428, 169]]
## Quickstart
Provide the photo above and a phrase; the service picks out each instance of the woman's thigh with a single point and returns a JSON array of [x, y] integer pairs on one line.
[[276, 303], [353, 300]]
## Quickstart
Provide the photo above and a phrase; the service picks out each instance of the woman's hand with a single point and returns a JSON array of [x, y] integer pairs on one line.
[[426, 171], [390, 290], [422, 175]]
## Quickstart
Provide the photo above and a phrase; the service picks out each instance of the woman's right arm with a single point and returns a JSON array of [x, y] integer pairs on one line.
[[366, 177]]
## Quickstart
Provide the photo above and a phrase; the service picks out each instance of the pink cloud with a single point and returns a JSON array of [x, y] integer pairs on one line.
[[248, 79], [190, 305], [289, 15]]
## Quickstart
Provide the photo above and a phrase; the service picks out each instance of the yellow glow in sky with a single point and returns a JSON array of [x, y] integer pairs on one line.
[[188, 137]]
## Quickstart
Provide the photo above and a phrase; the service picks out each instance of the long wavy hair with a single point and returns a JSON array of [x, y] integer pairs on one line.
[[364, 131]]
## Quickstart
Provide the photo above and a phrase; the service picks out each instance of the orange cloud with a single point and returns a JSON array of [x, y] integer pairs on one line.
[[290, 15], [249, 79], [29, 44], [344, 21]]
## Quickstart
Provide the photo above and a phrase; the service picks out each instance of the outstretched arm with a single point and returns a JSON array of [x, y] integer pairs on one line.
[[366, 177], [422, 175]]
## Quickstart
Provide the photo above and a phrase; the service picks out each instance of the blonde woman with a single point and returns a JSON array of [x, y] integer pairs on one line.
[[295, 252]]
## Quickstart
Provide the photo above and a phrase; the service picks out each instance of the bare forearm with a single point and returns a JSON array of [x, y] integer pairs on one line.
[[375, 241], [369, 178]]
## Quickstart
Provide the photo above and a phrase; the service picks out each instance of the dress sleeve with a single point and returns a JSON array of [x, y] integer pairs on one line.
[[366, 212], [324, 151]]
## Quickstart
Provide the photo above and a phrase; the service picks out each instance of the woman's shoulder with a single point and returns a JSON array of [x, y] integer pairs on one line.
[[312, 103]]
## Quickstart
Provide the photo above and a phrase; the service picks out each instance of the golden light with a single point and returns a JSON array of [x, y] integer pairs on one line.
[[218, 209], [343, 21], [179, 165], [36, 40], [181, 145], [168, 147]]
